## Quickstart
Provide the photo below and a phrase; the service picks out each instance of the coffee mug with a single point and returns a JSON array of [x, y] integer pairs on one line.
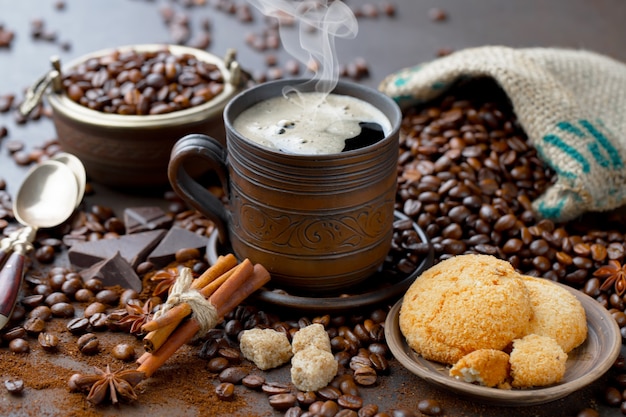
[[318, 223]]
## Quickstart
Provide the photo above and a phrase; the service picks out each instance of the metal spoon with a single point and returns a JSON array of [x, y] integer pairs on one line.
[[46, 198], [78, 168]]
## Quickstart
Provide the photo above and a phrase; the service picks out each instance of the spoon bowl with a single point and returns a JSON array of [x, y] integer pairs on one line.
[[47, 197]]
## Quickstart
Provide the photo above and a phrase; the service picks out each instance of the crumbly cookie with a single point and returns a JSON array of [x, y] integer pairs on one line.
[[462, 304], [557, 313], [488, 367], [536, 361]]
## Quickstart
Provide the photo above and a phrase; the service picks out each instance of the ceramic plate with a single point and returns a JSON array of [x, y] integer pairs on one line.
[[375, 290], [585, 364]]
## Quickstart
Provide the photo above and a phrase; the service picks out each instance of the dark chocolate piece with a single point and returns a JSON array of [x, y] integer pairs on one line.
[[134, 248], [143, 219], [175, 239], [113, 271]]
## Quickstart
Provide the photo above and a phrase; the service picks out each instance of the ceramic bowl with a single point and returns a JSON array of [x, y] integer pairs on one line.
[[133, 150], [585, 364]]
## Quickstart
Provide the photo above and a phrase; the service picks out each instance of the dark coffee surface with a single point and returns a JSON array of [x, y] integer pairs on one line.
[[369, 135], [385, 43]]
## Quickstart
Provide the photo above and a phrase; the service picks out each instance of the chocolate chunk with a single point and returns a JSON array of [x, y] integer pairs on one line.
[[133, 248], [143, 219], [113, 271], [175, 239]]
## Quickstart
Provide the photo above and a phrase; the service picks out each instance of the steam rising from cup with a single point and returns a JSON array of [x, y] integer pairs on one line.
[[320, 23]]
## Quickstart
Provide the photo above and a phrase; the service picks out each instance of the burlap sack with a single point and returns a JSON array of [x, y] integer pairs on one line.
[[572, 105]]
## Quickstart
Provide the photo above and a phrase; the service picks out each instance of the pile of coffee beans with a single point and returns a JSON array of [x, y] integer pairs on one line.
[[143, 83]]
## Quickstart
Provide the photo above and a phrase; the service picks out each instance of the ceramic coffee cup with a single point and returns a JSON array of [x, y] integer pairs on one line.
[[318, 223]]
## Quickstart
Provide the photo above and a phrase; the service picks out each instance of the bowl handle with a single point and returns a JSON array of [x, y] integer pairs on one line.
[[213, 154]]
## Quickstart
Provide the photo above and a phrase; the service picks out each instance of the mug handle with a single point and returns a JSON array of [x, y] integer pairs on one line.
[[192, 192]]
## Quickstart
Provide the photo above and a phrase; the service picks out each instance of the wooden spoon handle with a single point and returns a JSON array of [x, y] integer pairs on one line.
[[11, 277]]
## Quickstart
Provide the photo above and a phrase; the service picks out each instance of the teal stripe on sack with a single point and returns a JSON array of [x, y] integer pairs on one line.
[[551, 212], [571, 152], [570, 128], [616, 161]]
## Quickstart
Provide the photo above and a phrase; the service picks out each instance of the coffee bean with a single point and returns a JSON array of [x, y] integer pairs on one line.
[[93, 308], [365, 375], [253, 381], [233, 374], [225, 391], [48, 341], [34, 325], [42, 312], [430, 407], [19, 345], [78, 325], [282, 401], [88, 344], [14, 333], [14, 386], [64, 310], [273, 388], [123, 352], [218, 364]]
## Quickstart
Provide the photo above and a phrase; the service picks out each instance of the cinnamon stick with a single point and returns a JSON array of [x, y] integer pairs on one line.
[[229, 295], [173, 315], [155, 339], [223, 264], [241, 271], [238, 288]]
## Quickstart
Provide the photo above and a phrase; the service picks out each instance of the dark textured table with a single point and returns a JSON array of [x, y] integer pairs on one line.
[[386, 43]]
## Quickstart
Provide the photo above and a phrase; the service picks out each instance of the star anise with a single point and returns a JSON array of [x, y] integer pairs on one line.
[[119, 384], [614, 275], [165, 278], [138, 314]]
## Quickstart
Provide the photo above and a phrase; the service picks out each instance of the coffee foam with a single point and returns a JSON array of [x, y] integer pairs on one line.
[[307, 123]]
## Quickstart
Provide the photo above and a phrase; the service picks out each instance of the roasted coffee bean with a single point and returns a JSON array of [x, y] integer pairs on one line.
[[14, 333], [108, 297], [48, 341], [294, 412], [306, 398], [19, 345], [83, 295], [56, 297], [233, 374], [329, 393], [123, 352], [34, 325], [64, 310], [88, 344], [78, 325], [352, 402], [588, 412], [99, 321], [368, 410], [273, 388], [282, 401], [94, 285], [42, 312], [225, 391], [218, 364], [253, 381], [93, 308], [14, 386], [365, 375], [231, 354], [71, 286], [32, 301], [430, 407]]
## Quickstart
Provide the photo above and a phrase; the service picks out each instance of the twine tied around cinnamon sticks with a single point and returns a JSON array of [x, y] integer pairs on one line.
[[202, 310], [222, 287]]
